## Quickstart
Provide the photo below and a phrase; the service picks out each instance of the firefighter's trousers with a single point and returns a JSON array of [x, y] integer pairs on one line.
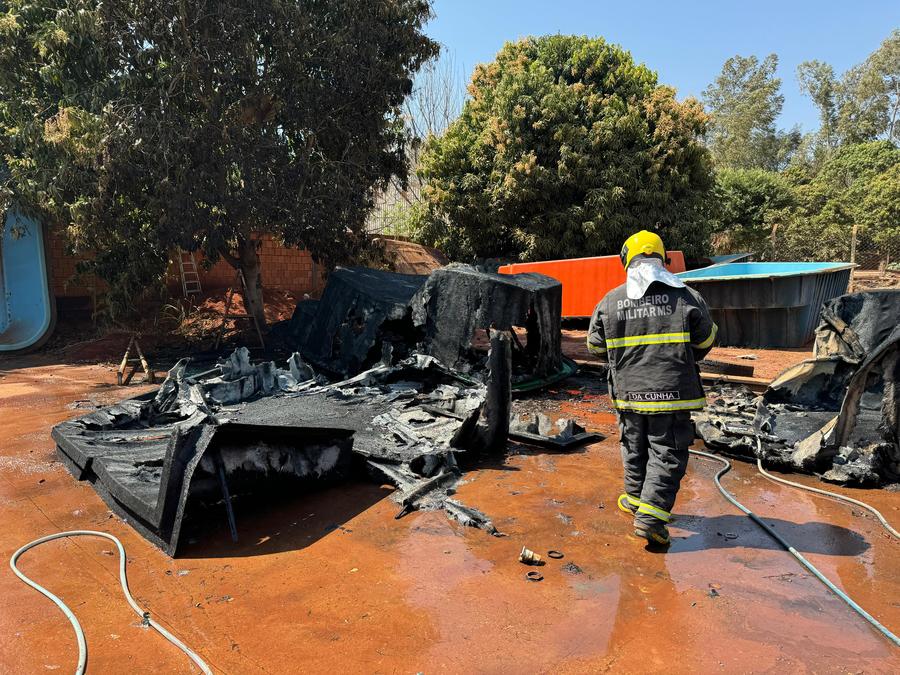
[[655, 456]]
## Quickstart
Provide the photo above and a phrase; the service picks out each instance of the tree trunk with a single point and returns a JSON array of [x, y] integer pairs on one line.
[[248, 260]]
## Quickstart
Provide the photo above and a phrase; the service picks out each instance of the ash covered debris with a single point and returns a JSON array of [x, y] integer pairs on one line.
[[836, 414], [425, 367], [540, 429], [366, 316], [203, 438], [458, 300], [541, 425], [360, 311]]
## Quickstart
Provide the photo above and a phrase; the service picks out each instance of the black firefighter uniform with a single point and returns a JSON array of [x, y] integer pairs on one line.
[[653, 345]]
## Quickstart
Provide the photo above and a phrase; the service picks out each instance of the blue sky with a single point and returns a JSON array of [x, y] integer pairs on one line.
[[685, 42]]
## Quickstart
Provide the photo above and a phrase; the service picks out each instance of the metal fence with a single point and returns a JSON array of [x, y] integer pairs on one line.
[[878, 262], [393, 211], [877, 259]]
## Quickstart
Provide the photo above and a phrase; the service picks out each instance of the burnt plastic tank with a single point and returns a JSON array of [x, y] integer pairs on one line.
[[768, 304]]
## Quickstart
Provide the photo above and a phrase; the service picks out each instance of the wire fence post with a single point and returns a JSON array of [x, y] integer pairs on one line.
[[852, 257]]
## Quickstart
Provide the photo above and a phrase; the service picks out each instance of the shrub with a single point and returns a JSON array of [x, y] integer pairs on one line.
[[748, 203], [565, 148]]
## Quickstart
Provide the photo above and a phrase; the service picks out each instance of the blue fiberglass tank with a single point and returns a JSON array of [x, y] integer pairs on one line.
[[26, 303], [768, 304]]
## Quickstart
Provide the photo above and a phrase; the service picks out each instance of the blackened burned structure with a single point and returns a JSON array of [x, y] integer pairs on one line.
[[367, 314], [838, 414], [408, 421], [415, 400]]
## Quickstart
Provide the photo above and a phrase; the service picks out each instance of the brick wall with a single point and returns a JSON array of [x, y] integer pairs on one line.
[[290, 269], [62, 269], [286, 268]]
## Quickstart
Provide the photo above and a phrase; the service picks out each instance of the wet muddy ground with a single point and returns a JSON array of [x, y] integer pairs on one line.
[[331, 582]]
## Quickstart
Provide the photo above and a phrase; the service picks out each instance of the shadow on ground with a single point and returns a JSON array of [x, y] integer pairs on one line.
[[276, 524], [738, 531]]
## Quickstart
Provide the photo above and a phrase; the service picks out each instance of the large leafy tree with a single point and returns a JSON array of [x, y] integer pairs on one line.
[[748, 204], [565, 148], [744, 102], [146, 124], [861, 105], [857, 185]]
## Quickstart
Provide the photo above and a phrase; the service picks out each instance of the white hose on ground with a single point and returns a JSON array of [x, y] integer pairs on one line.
[[819, 491], [881, 628], [79, 633]]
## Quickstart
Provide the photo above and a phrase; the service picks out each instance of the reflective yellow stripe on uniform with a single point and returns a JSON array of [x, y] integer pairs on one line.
[[708, 341], [595, 349], [652, 339], [651, 510], [634, 501], [660, 406]]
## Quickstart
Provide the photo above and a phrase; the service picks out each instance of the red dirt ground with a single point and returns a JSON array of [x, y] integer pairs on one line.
[[198, 327], [279, 305], [331, 582]]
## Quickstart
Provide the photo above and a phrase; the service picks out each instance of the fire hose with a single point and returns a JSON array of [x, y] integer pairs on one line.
[[833, 495], [79, 633], [726, 467], [145, 616]]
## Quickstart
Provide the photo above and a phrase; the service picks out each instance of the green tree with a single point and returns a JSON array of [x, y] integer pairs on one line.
[[145, 125], [872, 96], [860, 106], [744, 103], [565, 148], [880, 211], [749, 203], [818, 81], [853, 187]]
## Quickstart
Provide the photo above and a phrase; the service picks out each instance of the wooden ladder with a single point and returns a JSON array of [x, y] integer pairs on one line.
[[226, 315], [190, 278]]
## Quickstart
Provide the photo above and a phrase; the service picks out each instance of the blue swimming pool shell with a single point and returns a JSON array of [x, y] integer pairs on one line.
[[768, 304], [27, 311]]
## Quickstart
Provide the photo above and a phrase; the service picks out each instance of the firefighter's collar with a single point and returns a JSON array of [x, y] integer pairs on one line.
[[642, 273]]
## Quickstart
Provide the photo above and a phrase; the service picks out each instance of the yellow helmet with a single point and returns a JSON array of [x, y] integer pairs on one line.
[[644, 242]]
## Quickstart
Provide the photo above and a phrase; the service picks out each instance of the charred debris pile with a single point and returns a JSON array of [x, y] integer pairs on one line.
[[409, 396], [836, 415], [367, 315]]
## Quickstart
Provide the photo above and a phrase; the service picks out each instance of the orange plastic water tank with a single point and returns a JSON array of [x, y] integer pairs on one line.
[[585, 280]]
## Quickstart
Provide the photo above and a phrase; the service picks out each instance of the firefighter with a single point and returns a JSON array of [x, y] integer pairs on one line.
[[652, 330]]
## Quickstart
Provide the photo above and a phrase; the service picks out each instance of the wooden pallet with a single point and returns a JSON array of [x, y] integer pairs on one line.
[[726, 368], [757, 384]]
